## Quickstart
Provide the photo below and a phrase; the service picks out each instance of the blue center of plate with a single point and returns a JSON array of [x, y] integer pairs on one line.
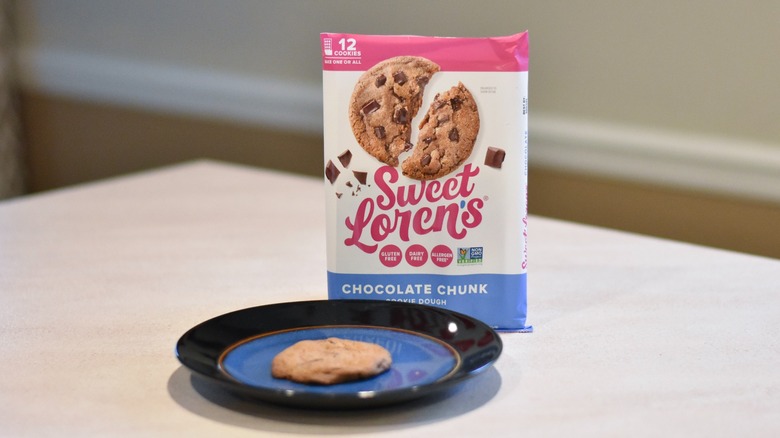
[[417, 360]]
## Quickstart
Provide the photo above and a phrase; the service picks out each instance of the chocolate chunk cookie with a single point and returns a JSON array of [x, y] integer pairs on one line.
[[447, 135], [329, 361], [385, 100]]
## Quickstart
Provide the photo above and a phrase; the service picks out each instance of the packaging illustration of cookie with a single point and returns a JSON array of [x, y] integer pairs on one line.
[[426, 172]]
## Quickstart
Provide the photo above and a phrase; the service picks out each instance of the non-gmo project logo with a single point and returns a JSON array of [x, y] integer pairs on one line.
[[470, 256]]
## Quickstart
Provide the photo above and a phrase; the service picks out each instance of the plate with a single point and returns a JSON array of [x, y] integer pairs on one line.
[[432, 349]]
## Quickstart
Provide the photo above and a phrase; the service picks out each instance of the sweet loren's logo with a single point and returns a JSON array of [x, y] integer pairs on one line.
[[447, 208]]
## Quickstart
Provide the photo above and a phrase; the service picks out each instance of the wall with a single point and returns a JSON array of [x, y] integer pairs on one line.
[[700, 66], [676, 96]]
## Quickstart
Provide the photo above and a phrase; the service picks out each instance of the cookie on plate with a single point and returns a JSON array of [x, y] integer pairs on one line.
[[447, 135], [329, 361], [385, 100]]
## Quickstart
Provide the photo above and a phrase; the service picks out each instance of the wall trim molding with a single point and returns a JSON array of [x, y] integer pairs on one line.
[[179, 89], [688, 161], [715, 165]]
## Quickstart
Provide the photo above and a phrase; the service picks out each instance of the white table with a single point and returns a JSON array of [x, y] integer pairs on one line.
[[634, 336]]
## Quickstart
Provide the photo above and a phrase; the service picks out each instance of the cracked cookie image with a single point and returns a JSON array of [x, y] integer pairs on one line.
[[447, 135], [384, 102]]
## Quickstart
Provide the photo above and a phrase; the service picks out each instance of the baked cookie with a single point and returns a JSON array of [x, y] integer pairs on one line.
[[385, 100], [329, 361], [447, 135]]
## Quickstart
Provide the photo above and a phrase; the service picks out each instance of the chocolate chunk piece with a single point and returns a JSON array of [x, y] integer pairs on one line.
[[370, 107], [379, 131], [331, 172], [345, 158], [360, 176], [401, 116], [494, 157]]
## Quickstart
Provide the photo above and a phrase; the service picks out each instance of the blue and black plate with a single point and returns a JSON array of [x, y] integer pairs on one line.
[[432, 350]]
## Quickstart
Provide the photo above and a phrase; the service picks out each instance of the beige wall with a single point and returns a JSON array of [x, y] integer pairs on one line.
[[606, 76], [699, 65], [73, 142]]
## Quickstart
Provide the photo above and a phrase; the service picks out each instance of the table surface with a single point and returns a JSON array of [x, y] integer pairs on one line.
[[634, 336]]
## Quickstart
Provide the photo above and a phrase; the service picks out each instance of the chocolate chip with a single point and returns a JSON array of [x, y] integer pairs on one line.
[[426, 160], [454, 134], [360, 176], [338, 195], [401, 116], [379, 131], [408, 147], [456, 103], [380, 81], [423, 81], [331, 172], [428, 140], [345, 158], [348, 184], [370, 107], [494, 157], [399, 77]]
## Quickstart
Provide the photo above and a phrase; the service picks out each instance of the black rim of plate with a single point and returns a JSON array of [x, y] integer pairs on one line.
[[476, 344]]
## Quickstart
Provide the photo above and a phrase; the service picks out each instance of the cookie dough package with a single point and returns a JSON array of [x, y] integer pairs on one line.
[[426, 150]]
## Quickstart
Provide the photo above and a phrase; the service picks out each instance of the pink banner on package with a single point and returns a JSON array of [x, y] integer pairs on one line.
[[349, 52]]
